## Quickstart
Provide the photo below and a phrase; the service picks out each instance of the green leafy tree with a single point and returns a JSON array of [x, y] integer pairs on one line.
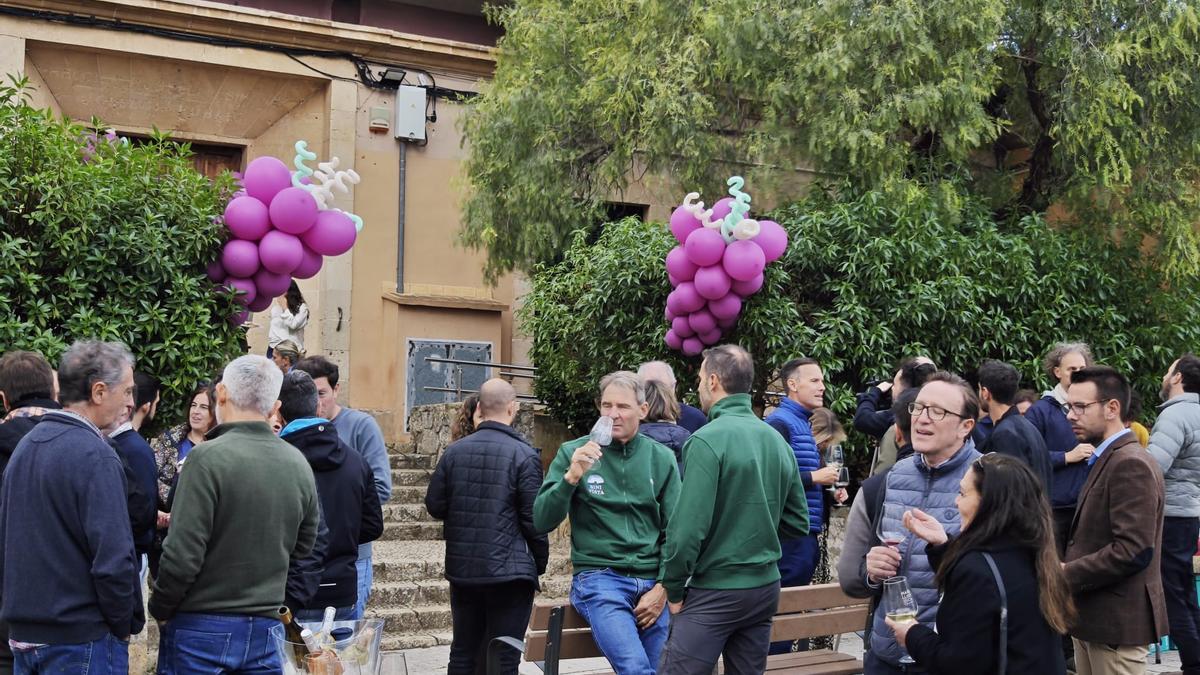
[[867, 279], [1091, 106], [101, 239]]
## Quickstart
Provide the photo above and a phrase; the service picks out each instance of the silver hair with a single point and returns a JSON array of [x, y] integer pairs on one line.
[[253, 383], [625, 379], [644, 370], [87, 362], [1060, 350]]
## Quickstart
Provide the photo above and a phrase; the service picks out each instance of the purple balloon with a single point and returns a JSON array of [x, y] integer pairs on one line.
[[743, 260], [747, 288], [333, 234], [712, 337], [674, 282], [280, 252], [772, 238], [727, 323], [722, 208], [704, 247], [293, 211], [260, 303], [309, 265], [681, 327], [244, 288], [673, 341], [271, 284], [726, 307], [265, 177], [239, 318], [712, 282], [678, 265], [692, 346], [702, 321], [216, 271], [240, 258], [689, 299], [683, 223], [247, 218], [670, 316]]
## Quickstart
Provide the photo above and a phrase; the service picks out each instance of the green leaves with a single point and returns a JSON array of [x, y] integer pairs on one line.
[[111, 248]]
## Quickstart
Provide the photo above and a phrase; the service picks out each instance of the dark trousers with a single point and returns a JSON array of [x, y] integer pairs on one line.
[[1179, 585], [796, 568], [735, 624], [1062, 530], [481, 613]]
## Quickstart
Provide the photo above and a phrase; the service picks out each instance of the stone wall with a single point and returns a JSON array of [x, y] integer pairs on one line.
[[430, 425]]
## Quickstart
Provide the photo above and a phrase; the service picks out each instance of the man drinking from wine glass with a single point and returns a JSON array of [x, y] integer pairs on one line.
[[943, 416]]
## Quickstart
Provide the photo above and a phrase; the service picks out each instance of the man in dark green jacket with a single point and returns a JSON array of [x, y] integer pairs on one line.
[[620, 497], [741, 497]]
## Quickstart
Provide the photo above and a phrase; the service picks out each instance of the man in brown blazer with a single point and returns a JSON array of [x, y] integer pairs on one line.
[[1114, 544]]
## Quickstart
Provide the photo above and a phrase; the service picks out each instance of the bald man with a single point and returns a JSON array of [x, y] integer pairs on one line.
[[483, 488]]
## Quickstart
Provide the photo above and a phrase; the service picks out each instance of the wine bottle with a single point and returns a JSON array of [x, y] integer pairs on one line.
[[294, 634]]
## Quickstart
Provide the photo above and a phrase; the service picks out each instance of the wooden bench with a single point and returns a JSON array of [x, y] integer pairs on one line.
[[557, 632]]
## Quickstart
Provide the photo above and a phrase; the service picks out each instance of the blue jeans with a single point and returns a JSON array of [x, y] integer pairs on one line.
[[218, 643], [606, 599], [307, 616], [105, 656], [365, 577]]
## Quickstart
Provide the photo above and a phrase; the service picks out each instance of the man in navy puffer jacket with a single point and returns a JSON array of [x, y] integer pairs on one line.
[[805, 385]]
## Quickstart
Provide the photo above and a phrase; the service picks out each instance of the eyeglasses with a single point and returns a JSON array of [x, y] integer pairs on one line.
[[1080, 408], [936, 414]]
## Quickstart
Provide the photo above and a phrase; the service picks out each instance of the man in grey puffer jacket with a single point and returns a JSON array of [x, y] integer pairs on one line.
[[943, 416], [1175, 445]]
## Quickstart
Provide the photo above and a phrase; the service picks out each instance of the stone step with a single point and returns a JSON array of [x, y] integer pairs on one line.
[[418, 619], [423, 560], [412, 460], [437, 591], [405, 513], [414, 641], [420, 530], [408, 494], [417, 477]]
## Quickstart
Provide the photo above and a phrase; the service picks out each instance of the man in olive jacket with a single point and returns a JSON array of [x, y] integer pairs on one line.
[[742, 495], [1115, 540]]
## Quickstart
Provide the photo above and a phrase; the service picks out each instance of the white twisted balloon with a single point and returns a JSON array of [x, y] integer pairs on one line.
[[746, 229], [697, 210]]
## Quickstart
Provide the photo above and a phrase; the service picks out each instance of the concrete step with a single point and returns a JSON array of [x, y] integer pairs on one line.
[[417, 477], [408, 494], [412, 460], [405, 513], [429, 529]]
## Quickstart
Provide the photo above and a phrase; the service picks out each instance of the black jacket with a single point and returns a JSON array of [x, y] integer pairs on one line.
[[141, 487], [483, 488], [669, 434], [304, 574], [1016, 436], [868, 418], [968, 618], [350, 506]]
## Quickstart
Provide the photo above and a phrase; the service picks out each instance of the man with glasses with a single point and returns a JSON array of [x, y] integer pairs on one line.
[[943, 417], [1115, 539]]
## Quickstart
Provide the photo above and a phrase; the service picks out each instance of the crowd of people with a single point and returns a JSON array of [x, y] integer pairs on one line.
[[268, 496], [997, 531]]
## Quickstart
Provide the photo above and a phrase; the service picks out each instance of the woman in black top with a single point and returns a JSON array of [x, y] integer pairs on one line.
[[1005, 513]]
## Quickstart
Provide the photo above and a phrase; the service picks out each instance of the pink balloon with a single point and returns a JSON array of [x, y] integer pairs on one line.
[[309, 265], [722, 208], [743, 260], [683, 223], [247, 218], [712, 282], [260, 303], [726, 307], [704, 247], [727, 323], [673, 306], [293, 211], [673, 341], [689, 299], [674, 282], [702, 321], [215, 271], [712, 337], [692, 346], [244, 288], [670, 316], [772, 238], [679, 266], [280, 252], [240, 258], [748, 288], [271, 284], [333, 234], [681, 328], [265, 177]]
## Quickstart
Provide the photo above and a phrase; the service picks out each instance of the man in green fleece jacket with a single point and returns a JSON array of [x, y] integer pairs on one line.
[[742, 495], [620, 498], [245, 505]]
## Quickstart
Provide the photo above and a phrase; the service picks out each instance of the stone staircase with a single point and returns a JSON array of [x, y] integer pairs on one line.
[[409, 591]]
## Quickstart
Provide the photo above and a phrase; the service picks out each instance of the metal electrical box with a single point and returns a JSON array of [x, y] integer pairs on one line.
[[410, 113], [444, 379]]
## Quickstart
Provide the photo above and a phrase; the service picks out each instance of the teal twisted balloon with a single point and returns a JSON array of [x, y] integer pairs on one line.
[[739, 208], [302, 171]]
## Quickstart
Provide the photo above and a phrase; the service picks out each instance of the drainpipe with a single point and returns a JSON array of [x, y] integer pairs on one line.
[[400, 218]]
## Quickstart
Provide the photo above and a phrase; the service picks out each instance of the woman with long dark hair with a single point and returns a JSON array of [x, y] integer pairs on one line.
[[1006, 523], [289, 316]]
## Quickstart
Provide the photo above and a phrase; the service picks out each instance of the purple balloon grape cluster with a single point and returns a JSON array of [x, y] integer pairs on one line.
[[713, 271], [277, 233]]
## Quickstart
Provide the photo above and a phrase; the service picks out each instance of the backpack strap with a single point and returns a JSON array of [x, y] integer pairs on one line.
[[875, 491], [1002, 658]]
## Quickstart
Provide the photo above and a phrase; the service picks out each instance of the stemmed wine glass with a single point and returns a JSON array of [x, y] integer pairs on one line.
[[891, 526], [835, 458], [899, 605]]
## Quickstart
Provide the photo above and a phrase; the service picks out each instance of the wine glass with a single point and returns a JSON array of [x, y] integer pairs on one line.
[[899, 605], [835, 459], [891, 526], [843, 481]]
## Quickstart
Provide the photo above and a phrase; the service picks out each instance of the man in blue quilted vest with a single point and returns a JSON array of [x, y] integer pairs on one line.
[[805, 385], [943, 417]]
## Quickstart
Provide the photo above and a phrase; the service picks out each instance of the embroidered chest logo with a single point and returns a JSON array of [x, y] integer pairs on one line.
[[595, 485]]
